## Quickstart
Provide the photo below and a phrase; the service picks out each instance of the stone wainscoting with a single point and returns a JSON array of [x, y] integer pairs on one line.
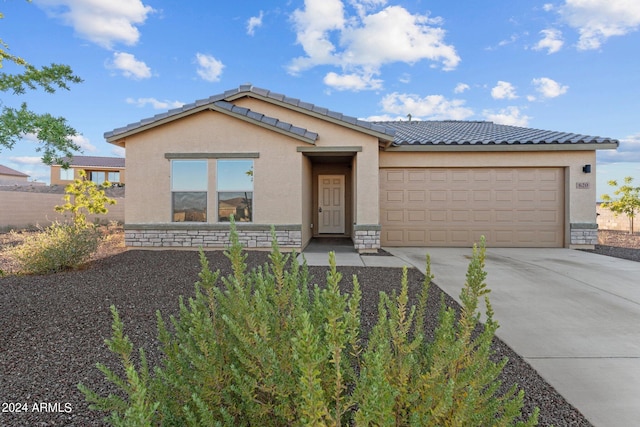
[[192, 235], [366, 238], [584, 234]]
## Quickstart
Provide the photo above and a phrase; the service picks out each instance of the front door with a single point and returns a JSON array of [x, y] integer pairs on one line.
[[331, 204]]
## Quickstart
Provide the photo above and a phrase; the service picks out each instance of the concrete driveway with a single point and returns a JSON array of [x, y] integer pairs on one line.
[[574, 316]]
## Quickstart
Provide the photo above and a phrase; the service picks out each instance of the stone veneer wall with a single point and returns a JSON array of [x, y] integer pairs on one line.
[[210, 235], [366, 238], [584, 234]]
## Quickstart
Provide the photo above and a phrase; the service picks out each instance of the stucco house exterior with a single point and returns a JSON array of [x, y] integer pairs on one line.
[[10, 176], [311, 172], [99, 169]]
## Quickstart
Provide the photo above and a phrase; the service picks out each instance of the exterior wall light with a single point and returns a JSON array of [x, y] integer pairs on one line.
[[586, 169]]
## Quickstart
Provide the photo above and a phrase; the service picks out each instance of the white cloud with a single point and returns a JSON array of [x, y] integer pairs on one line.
[[79, 140], [597, 20], [84, 143], [209, 68], [385, 118], [130, 66], [434, 107], [313, 26], [395, 35], [104, 22], [362, 44], [547, 7], [354, 82], [628, 151], [253, 23], [551, 40], [26, 160], [507, 116], [503, 90], [548, 88], [155, 103], [461, 87]]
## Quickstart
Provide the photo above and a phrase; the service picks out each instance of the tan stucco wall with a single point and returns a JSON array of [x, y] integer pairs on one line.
[[21, 209], [307, 200], [332, 135], [283, 182], [277, 171], [579, 205], [55, 174]]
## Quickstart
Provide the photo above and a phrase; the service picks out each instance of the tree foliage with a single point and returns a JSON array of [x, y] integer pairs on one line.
[[54, 134], [84, 197], [627, 201]]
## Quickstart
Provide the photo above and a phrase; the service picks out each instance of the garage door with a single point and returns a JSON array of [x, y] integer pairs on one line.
[[511, 207]]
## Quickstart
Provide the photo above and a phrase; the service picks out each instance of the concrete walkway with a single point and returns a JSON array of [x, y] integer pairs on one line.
[[317, 253], [574, 316]]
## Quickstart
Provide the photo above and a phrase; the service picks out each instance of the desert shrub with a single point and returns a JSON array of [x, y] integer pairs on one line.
[[266, 348], [56, 248]]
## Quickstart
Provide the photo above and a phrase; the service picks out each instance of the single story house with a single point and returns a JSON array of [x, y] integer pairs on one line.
[[10, 176], [312, 172], [98, 169]]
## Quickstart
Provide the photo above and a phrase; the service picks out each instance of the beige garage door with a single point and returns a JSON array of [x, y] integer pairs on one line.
[[511, 207]]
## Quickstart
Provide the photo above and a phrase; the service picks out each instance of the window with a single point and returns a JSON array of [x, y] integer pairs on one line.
[[97, 177], [66, 174], [113, 177], [235, 190], [189, 190]]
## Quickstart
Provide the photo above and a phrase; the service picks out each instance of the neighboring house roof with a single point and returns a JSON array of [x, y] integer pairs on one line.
[[223, 103], [454, 132], [95, 161], [4, 170]]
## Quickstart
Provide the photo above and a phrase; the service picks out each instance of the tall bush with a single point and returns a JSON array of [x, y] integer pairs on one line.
[[56, 248], [64, 246], [265, 347]]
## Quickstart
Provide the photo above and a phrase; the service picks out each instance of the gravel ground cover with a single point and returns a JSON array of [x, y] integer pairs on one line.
[[53, 329]]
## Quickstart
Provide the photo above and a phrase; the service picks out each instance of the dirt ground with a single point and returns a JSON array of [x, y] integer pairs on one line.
[[620, 239]]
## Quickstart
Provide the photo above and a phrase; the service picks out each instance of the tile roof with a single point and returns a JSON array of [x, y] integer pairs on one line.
[[400, 133], [95, 161], [4, 170], [223, 101], [454, 132]]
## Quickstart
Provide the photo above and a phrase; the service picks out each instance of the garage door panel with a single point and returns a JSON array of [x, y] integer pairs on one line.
[[437, 196], [394, 216], [416, 196], [454, 207]]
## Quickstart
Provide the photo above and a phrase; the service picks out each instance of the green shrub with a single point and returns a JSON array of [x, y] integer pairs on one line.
[[56, 248], [266, 348]]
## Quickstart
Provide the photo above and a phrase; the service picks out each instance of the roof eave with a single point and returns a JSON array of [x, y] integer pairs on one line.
[[505, 147]]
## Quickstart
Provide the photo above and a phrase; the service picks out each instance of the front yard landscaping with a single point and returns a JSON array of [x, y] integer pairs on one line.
[[54, 327]]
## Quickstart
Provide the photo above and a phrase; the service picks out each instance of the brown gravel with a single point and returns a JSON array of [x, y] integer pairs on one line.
[[53, 327]]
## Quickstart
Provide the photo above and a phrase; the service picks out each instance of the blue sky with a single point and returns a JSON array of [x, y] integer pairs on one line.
[[567, 65]]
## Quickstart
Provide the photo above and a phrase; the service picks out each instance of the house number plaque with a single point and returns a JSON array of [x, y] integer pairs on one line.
[[583, 185]]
